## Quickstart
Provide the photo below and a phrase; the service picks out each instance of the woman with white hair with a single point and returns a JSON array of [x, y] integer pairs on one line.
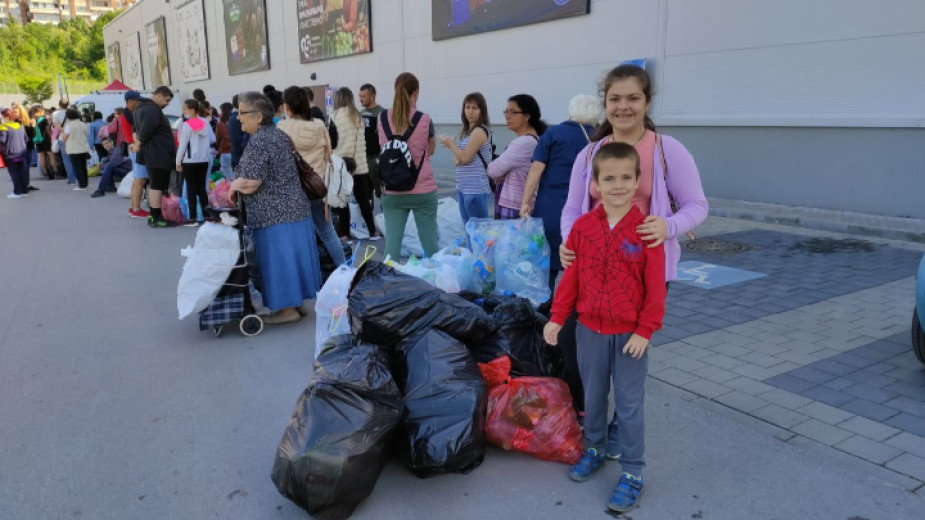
[[552, 169]]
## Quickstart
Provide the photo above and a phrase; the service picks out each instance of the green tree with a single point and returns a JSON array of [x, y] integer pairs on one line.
[[35, 88], [73, 48]]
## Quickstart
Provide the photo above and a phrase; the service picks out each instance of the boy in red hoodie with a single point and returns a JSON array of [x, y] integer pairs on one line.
[[617, 284]]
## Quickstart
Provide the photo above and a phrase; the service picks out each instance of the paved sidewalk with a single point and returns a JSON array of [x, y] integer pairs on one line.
[[814, 339]]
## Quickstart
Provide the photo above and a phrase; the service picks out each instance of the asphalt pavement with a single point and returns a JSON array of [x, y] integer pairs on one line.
[[111, 408]]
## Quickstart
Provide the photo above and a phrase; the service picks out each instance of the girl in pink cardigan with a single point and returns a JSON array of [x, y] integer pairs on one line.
[[627, 98]]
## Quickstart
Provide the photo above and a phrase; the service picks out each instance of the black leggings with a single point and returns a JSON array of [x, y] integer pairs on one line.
[[363, 193], [194, 174], [79, 160]]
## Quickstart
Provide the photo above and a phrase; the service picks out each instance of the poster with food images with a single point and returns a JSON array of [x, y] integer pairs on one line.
[[114, 62], [246, 45], [132, 74], [158, 61], [452, 18], [191, 40], [333, 28]]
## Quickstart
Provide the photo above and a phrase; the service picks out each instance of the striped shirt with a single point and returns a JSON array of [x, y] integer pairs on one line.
[[472, 177]]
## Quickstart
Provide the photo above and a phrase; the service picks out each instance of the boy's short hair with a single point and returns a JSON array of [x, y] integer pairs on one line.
[[106, 140], [164, 91], [614, 151]]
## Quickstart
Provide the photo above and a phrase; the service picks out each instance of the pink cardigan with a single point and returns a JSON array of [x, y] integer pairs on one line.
[[683, 183]]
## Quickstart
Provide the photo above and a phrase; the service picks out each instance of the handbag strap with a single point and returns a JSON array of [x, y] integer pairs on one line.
[[673, 203], [584, 131]]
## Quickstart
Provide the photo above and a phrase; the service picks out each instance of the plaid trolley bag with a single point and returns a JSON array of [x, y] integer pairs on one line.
[[233, 301]]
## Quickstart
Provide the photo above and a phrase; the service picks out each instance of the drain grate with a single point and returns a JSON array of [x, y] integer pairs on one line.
[[713, 246], [834, 245]]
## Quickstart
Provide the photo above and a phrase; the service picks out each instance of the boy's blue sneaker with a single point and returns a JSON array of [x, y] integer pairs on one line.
[[613, 442], [589, 462], [626, 496]]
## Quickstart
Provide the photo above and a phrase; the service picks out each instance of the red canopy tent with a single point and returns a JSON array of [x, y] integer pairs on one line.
[[117, 85]]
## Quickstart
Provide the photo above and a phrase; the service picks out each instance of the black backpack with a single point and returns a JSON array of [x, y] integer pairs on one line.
[[397, 170], [494, 154]]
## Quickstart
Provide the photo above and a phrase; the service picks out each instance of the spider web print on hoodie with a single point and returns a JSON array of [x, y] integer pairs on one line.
[[621, 280]]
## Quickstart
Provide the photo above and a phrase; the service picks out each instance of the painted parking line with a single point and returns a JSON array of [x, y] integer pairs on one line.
[[711, 276]]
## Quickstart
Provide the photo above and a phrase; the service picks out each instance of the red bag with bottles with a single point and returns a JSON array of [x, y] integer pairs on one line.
[[531, 414]]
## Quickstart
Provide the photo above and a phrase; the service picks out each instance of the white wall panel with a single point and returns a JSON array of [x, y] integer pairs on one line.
[[715, 62], [848, 79], [719, 25]]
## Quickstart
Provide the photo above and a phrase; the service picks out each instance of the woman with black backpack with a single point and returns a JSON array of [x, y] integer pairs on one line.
[[407, 139], [471, 156], [48, 165]]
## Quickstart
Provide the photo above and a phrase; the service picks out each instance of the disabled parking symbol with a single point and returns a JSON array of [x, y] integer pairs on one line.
[[712, 276]]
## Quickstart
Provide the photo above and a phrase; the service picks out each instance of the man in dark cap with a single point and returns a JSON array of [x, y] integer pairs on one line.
[[154, 145]]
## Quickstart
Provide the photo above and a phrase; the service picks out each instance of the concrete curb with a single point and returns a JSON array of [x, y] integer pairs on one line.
[[896, 228]]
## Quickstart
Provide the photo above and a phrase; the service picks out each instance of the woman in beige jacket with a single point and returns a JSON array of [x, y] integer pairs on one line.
[[311, 140], [350, 142]]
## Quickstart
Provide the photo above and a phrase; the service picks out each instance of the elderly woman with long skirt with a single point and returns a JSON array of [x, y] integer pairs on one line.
[[278, 211]]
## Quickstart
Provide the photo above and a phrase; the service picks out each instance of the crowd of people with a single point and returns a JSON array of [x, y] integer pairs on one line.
[[613, 193]]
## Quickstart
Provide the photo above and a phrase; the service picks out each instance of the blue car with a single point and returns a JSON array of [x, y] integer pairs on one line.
[[918, 315]]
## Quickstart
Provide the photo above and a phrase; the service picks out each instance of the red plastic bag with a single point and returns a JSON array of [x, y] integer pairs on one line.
[[219, 196], [531, 414], [170, 206]]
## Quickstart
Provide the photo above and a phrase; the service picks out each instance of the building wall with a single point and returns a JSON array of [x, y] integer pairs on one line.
[[828, 83]]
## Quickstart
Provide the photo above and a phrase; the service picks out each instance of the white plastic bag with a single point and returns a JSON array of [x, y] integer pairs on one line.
[[438, 274], [358, 227], [462, 262], [331, 316], [450, 226], [208, 264], [125, 186]]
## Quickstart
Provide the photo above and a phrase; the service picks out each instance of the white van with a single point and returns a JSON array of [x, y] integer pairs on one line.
[[105, 101]]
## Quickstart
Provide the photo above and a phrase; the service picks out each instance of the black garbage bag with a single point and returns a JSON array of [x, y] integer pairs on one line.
[[339, 436], [519, 336], [387, 306], [446, 400]]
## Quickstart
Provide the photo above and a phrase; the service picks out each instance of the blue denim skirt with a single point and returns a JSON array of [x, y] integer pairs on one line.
[[287, 257]]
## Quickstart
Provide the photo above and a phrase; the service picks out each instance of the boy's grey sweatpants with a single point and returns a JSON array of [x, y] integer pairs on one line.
[[600, 361]]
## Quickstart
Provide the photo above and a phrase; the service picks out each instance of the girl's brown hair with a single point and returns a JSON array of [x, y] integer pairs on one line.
[[622, 72], [193, 105], [406, 84], [476, 98]]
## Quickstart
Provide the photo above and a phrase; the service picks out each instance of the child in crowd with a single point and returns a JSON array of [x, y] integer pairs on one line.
[[617, 284]]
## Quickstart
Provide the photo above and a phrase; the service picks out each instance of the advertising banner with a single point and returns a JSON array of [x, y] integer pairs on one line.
[[452, 18], [333, 28], [246, 36], [132, 73], [191, 39], [156, 47]]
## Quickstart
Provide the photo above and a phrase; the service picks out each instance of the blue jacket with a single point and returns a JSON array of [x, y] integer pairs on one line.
[[12, 142], [117, 162], [239, 138], [93, 132]]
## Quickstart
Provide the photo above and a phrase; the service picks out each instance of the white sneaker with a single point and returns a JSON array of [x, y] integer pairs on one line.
[[80, 189], [13, 196]]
